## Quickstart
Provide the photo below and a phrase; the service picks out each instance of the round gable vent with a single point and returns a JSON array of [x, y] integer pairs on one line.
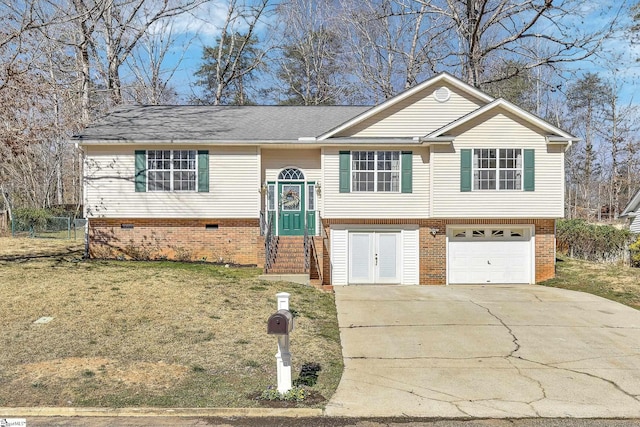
[[442, 95]]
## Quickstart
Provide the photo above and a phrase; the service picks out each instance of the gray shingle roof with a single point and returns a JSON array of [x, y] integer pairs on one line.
[[218, 123]]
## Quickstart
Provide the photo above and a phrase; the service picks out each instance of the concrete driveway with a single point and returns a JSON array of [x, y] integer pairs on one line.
[[486, 351]]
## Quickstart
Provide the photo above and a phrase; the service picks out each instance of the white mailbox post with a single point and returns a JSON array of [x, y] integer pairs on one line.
[[280, 324], [283, 356]]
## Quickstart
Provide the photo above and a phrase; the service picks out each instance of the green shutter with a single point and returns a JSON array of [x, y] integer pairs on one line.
[[407, 171], [465, 169], [141, 171], [345, 171], [529, 170], [203, 171]]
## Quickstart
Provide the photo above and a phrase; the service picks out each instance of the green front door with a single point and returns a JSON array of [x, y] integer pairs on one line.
[[292, 213]]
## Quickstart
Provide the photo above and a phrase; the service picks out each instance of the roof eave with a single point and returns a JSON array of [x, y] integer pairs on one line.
[[633, 206], [122, 141], [370, 141], [437, 140]]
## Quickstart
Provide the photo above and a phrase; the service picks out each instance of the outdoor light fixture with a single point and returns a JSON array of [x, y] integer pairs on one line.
[[318, 188], [434, 231]]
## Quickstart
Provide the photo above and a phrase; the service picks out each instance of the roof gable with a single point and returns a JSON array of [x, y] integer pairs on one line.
[[555, 135], [427, 87]]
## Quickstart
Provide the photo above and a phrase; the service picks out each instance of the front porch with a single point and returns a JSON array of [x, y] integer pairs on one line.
[[296, 258]]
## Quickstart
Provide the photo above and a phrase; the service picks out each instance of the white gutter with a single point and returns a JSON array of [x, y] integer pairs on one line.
[[436, 140], [82, 141]]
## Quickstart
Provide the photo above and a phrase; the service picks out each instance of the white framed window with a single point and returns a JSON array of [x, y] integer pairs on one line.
[[490, 232], [375, 171], [497, 169], [171, 170], [311, 197], [271, 197]]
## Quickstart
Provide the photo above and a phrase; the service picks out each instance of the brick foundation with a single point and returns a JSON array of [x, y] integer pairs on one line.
[[238, 241], [235, 241], [433, 253]]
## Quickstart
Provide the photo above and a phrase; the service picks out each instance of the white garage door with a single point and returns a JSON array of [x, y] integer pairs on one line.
[[490, 254]]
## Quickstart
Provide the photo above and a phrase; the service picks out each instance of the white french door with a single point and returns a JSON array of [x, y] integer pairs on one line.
[[374, 257]]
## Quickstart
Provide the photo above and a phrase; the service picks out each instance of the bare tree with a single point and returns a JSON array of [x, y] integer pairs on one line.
[[307, 65], [124, 23], [392, 44], [586, 99], [619, 145], [147, 62], [88, 14], [493, 31]]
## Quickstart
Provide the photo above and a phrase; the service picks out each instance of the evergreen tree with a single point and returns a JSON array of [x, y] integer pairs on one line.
[[228, 69]]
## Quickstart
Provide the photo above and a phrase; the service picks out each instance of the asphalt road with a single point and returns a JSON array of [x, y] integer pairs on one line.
[[319, 422]]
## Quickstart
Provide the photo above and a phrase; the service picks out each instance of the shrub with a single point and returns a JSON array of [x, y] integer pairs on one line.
[[296, 394], [580, 239], [635, 252], [28, 219]]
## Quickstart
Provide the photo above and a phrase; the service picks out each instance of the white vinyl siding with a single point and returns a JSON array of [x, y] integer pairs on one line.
[[273, 161], [635, 224], [339, 253], [417, 115], [308, 161], [498, 131], [410, 257], [374, 204], [110, 188]]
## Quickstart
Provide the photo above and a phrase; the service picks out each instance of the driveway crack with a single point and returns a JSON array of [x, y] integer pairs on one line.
[[517, 347], [412, 391], [610, 382], [513, 335]]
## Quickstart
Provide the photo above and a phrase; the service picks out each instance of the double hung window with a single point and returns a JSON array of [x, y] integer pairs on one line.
[[171, 170], [375, 171], [497, 169]]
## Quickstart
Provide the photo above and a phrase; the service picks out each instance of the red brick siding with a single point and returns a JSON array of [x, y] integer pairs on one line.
[[545, 250], [239, 241], [235, 241], [433, 251]]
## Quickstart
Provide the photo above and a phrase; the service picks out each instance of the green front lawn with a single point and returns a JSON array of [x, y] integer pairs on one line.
[[162, 334], [612, 281]]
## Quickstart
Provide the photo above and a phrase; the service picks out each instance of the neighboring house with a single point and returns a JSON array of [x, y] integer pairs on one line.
[[442, 184], [632, 211]]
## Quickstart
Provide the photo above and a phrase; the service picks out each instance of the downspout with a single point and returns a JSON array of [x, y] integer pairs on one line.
[[82, 160]]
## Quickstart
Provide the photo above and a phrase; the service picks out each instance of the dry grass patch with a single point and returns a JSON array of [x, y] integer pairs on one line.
[[612, 281], [147, 333]]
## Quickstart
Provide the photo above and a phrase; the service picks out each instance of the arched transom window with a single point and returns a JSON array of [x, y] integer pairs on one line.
[[291, 174]]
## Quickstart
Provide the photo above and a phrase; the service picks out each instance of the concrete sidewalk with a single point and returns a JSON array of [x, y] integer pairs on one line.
[[486, 351]]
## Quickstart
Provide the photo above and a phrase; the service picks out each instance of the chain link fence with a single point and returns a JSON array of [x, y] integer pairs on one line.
[[55, 227]]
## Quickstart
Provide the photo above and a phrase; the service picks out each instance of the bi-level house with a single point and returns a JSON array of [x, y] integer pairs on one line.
[[442, 184]]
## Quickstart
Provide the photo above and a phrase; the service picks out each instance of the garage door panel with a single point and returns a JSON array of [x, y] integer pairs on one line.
[[490, 260]]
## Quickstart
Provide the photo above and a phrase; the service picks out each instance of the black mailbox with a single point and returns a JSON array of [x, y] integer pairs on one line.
[[280, 323]]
